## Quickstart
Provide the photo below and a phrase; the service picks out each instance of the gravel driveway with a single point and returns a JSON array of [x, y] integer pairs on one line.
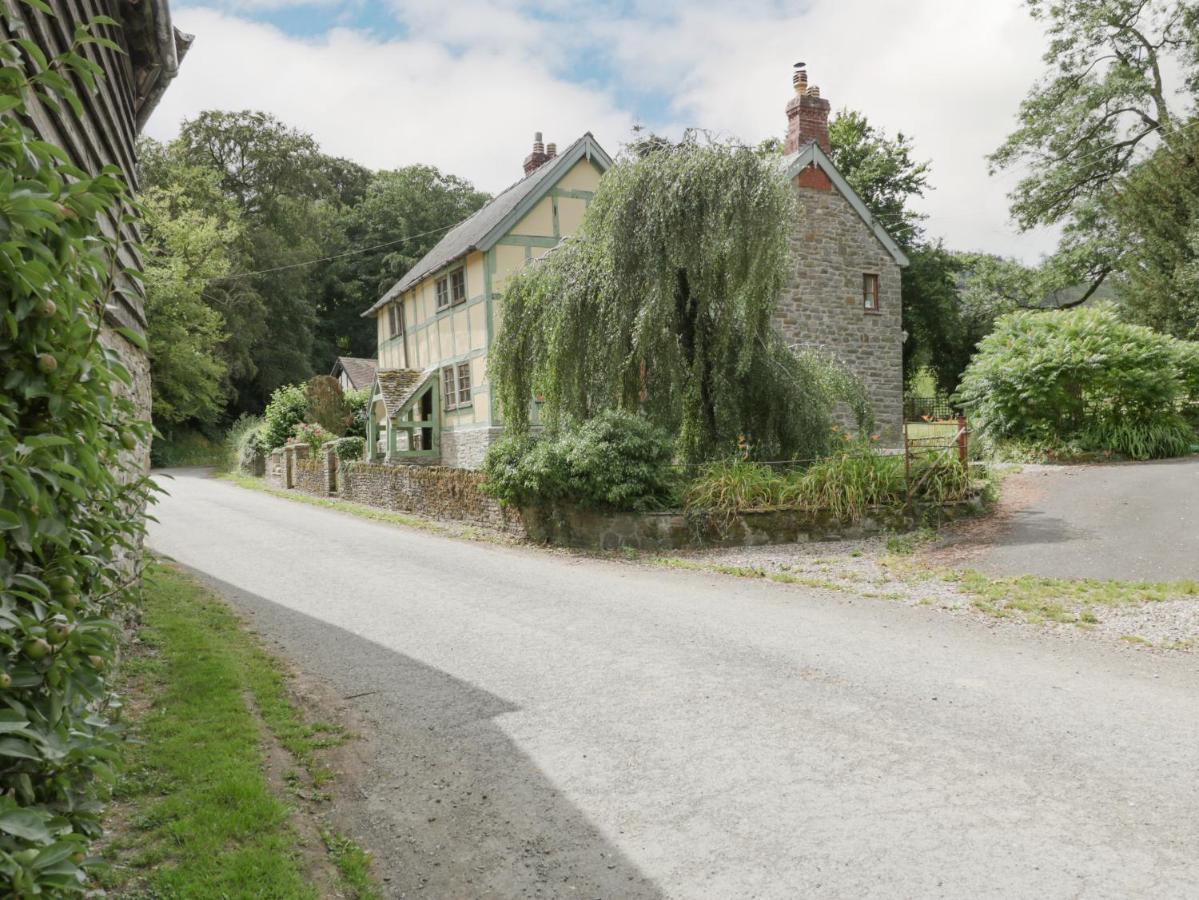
[[542, 725]]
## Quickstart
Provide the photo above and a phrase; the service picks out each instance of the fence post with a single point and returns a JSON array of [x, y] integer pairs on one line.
[[963, 441]]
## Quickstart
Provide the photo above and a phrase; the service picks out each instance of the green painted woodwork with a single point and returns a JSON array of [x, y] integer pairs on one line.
[[531, 240]]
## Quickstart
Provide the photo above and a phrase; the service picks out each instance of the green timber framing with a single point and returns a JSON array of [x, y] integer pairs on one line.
[[405, 418], [498, 235]]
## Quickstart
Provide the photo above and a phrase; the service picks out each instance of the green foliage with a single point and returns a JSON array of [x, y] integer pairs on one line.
[[1104, 97], [662, 303], [314, 435], [847, 484], [245, 444], [350, 449], [72, 491], [327, 405], [617, 460], [278, 202], [882, 171], [287, 408], [186, 247], [417, 203], [357, 402], [1157, 216], [1083, 376]]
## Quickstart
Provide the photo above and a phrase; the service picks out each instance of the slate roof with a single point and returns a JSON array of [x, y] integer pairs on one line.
[[361, 372], [398, 386], [482, 229]]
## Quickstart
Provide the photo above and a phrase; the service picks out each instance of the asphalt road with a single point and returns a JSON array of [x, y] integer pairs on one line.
[[550, 726], [1131, 521]]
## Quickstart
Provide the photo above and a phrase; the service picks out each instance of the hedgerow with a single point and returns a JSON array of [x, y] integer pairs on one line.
[[72, 488]]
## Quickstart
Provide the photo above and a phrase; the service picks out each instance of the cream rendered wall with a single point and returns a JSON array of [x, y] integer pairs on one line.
[[462, 333]]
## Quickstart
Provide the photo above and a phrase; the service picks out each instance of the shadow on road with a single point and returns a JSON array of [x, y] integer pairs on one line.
[[450, 806]]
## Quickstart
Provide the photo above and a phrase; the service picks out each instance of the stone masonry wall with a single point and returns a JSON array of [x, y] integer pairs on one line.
[[433, 491], [466, 449], [822, 307], [309, 476]]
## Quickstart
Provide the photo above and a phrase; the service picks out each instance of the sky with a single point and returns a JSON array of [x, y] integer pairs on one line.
[[464, 84]]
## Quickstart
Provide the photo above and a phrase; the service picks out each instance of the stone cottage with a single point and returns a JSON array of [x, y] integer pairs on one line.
[[844, 297], [431, 403]]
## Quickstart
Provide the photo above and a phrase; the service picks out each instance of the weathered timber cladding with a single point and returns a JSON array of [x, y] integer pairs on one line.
[[822, 306], [105, 134]]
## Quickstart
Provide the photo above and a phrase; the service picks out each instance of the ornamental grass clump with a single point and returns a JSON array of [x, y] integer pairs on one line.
[[847, 485], [1084, 377], [72, 485]]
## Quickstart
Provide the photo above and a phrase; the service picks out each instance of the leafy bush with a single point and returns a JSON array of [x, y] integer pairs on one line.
[[287, 408], [72, 488], [617, 460], [244, 444], [315, 436], [1083, 376], [847, 484], [357, 402], [349, 449]]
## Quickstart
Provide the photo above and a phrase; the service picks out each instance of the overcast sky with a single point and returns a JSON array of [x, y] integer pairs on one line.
[[463, 84]]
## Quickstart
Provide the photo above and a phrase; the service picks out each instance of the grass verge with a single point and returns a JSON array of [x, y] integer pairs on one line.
[[465, 532], [196, 814]]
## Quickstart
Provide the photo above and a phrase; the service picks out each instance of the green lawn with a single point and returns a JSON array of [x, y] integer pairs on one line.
[[196, 815]]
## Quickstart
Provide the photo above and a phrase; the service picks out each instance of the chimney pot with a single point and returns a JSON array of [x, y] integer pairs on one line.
[[537, 158], [551, 150], [807, 115]]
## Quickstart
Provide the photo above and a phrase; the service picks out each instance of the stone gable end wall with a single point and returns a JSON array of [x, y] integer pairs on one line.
[[821, 307]]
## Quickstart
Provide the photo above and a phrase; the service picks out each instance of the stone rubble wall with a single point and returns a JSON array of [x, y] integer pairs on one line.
[[437, 492], [466, 449], [822, 308]]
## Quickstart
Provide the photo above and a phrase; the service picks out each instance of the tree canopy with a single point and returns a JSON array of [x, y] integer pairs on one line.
[[663, 303], [240, 206], [1104, 99]]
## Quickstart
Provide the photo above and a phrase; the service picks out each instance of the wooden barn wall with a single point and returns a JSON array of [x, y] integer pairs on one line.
[[106, 133]]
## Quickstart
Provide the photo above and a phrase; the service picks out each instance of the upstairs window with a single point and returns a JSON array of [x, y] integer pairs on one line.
[[449, 390], [451, 289], [455, 385], [870, 302], [395, 319], [464, 397]]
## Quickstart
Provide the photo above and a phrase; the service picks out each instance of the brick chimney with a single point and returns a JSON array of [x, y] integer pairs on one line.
[[537, 158], [807, 114]]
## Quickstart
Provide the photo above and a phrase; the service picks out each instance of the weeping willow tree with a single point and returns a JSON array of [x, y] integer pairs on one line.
[[662, 303]]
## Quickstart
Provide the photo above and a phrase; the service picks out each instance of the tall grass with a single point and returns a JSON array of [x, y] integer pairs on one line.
[[847, 485]]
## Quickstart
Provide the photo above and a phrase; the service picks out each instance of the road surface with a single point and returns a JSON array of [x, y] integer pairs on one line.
[[545, 725], [1131, 522]]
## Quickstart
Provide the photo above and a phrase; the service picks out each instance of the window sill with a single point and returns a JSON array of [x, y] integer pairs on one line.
[[872, 312]]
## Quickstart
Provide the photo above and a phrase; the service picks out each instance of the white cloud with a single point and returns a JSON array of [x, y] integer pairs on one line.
[[387, 103], [472, 79]]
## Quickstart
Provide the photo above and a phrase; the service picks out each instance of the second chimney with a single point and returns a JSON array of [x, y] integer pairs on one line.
[[537, 158], [807, 115]]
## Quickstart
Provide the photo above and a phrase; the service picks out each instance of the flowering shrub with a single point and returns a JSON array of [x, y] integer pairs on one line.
[[315, 436]]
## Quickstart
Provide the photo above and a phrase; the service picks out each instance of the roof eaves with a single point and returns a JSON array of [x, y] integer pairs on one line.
[[585, 147], [813, 155]]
